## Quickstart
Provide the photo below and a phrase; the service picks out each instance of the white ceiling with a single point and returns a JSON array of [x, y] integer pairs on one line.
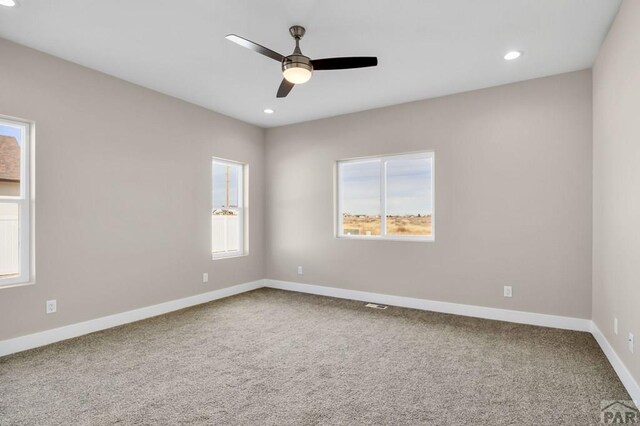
[[426, 48]]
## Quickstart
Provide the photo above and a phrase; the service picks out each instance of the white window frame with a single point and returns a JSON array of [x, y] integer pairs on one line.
[[243, 202], [339, 230], [25, 205]]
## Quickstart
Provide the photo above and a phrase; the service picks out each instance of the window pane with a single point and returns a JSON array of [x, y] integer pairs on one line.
[[10, 140], [9, 240], [226, 218], [225, 185], [225, 228], [360, 209], [409, 209]]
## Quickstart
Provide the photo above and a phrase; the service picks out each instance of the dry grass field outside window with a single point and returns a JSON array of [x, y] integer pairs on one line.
[[396, 225]]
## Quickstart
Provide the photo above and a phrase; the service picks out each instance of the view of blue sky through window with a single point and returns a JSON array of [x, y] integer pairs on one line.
[[225, 176], [360, 187], [11, 132], [408, 187]]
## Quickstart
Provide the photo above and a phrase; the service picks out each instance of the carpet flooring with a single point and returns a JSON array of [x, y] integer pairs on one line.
[[270, 357]]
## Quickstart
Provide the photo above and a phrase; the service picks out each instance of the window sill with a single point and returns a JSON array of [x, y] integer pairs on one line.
[[429, 239], [228, 256], [17, 284]]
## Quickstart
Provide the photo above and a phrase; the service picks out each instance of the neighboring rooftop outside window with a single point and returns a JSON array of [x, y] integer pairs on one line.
[[9, 161]]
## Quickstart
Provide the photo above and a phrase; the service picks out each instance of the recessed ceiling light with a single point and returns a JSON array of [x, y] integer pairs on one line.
[[266, 111], [514, 54], [8, 3]]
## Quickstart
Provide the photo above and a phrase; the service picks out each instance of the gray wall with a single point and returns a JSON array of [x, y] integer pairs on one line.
[[513, 198], [616, 181], [123, 193], [123, 196]]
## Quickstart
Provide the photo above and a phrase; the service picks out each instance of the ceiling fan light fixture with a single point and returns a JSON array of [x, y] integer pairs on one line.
[[8, 3], [297, 68], [297, 75]]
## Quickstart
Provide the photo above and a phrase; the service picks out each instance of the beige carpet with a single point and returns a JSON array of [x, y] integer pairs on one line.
[[280, 358]]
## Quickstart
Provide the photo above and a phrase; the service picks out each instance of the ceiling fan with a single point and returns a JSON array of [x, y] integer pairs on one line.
[[297, 68]]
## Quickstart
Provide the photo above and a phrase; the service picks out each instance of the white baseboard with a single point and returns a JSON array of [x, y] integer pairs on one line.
[[625, 376], [520, 317], [35, 340]]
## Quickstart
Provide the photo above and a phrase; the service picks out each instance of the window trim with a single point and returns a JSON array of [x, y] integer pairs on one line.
[[338, 228], [25, 202], [243, 203]]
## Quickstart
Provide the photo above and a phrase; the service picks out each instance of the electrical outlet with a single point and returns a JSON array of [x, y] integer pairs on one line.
[[508, 291], [52, 306], [299, 270], [615, 325], [205, 277], [631, 341]]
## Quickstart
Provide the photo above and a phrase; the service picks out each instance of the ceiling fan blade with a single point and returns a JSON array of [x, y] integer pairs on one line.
[[344, 63], [255, 47], [285, 88]]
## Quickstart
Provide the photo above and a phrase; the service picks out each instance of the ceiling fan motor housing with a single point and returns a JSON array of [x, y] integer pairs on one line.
[[297, 61]]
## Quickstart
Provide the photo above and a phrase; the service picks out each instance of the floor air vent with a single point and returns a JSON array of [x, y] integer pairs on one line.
[[375, 306]]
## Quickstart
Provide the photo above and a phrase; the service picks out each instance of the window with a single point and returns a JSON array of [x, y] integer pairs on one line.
[[387, 197], [228, 218], [15, 203]]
